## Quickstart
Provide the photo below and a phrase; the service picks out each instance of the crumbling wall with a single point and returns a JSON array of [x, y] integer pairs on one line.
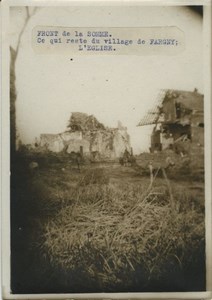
[[180, 105], [75, 145], [71, 135], [166, 141], [51, 142], [91, 136], [108, 143], [57, 142], [121, 141]]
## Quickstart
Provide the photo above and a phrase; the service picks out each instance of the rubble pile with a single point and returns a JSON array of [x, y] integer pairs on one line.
[[83, 122], [87, 135]]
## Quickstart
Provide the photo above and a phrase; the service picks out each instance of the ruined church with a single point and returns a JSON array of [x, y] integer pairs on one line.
[[85, 134]]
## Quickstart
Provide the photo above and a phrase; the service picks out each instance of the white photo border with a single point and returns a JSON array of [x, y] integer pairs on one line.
[[5, 146]]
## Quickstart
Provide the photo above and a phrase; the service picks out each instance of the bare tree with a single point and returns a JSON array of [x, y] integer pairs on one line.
[[13, 91]]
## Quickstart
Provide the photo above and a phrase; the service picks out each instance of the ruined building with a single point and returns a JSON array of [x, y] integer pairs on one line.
[[178, 117], [87, 135]]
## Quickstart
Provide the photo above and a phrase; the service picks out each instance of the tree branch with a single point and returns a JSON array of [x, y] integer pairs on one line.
[[28, 15]]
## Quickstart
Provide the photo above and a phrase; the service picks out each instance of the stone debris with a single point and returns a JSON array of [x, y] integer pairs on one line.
[[89, 137], [83, 122]]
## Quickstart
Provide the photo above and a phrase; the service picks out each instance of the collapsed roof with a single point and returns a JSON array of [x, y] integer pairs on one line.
[[187, 101]]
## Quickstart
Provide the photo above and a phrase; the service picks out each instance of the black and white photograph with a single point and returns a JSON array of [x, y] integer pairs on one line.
[[107, 149]]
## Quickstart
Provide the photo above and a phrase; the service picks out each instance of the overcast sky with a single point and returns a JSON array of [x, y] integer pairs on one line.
[[112, 88]]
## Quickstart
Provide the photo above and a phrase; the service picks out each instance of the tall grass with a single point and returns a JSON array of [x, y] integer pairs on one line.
[[102, 229], [113, 232]]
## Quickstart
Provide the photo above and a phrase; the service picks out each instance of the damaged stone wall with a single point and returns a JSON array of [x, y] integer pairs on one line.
[[91, 136], [184, 117], [57, 142], [108, 143], [51, 142]]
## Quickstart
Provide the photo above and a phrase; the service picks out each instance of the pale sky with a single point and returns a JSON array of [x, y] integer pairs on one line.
[[112, 88]]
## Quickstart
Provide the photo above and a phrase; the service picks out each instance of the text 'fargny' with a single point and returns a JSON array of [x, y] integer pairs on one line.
[[96, 40], [108, 40]]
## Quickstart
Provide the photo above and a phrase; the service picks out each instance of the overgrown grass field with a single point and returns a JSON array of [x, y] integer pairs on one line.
[[105, 229]]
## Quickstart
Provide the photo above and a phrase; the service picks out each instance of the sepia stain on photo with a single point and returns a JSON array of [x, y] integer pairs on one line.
[[107, 158]]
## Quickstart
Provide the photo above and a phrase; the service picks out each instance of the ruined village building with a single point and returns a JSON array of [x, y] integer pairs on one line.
[[178, 119]]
